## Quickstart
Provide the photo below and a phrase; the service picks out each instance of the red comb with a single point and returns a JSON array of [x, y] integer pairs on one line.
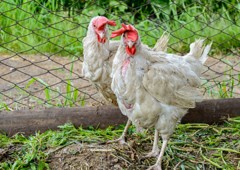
[[129, 29], [101, 21]]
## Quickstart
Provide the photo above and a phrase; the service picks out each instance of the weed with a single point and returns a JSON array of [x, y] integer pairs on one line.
[[3, 105], [225, 88], [195, 146], [35, 27]]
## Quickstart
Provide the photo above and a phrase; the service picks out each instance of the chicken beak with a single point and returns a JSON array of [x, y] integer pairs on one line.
[[101, 35], [130, 44]]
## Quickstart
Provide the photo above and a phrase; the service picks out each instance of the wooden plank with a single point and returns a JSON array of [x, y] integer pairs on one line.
[[213, 111], [30, 121]]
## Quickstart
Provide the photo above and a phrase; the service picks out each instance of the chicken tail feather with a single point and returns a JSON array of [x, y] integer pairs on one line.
[[199, 51], [162, 42], [204, 56]]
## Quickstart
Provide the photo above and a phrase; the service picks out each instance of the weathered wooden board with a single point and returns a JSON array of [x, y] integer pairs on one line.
[[30, 121]]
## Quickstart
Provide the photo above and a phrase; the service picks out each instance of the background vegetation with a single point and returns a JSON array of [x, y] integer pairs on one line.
[[58, 26]]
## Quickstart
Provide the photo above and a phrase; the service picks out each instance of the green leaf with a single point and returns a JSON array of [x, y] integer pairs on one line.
[[42, 165], [47, 94], [75, 94], [82, 101], [42, 82], [30, 82], [6, 107], [33, 166]]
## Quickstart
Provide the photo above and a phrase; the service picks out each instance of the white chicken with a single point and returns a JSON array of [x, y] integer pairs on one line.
[[98, 55], [155, 89]]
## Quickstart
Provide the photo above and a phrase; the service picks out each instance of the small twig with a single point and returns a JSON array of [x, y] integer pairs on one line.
[[219, 149], [236, 120], [102, 150], [178, 164], [183, 149], [223, 158], [58, 148], [3, 153], [209, 160], [119, 157]]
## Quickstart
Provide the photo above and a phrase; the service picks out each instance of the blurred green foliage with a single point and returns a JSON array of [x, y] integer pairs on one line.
[[58, 26], [148, 7]]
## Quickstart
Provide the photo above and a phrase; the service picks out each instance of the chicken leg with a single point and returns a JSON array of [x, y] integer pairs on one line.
[[158, 164], [155, 149], [121, 139]]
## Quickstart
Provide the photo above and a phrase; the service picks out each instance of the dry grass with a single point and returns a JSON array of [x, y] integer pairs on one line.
[[192, 146]]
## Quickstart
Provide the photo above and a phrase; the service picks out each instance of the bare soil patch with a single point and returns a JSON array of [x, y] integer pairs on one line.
[[99, 157], [18, 70]]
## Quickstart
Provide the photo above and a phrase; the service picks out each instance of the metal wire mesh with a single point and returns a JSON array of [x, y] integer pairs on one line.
[[41, 45]]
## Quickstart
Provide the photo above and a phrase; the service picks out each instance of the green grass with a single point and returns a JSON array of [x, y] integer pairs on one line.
[[191, 25], [3, 105], [224, 89], [53, 97], [193, 145], [26, 31], [46, 32]]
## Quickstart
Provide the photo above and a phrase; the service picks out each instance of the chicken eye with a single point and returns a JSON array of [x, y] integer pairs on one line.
[[94, 26]]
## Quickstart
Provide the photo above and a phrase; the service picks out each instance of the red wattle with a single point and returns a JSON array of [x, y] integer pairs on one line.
[[101, 40], [131, 51]]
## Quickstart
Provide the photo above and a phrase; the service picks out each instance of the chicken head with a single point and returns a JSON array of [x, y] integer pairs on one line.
[[99, 25], [130, 38]]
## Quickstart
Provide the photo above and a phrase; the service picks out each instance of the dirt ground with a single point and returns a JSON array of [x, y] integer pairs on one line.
[[98, 157], [18, 70]]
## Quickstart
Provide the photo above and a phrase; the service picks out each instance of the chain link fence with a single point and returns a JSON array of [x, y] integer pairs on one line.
[[41, 45]]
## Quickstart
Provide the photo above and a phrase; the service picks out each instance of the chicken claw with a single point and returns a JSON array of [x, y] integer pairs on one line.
[[122, 140], [155, 167], [151, 154], [155, 150]]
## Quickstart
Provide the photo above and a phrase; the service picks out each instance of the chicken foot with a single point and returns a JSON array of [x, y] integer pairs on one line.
[[158, 164], [121, 139], [155, 149]]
